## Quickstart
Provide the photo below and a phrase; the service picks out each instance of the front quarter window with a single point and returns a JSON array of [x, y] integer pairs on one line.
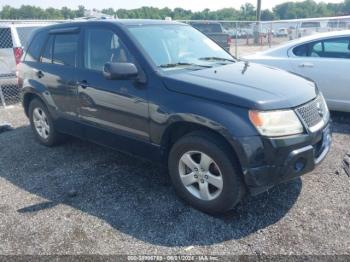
[[182, 45]]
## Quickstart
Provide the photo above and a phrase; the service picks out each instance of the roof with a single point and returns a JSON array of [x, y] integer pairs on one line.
[[24, 25], [127, 22], [303, 40], [143, 22]]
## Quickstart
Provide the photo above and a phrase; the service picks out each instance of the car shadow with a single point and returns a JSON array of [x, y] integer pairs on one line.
[[132, 195], [341, 122]]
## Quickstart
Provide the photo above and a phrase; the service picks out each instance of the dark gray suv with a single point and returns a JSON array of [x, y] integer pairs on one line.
[[164, 91]]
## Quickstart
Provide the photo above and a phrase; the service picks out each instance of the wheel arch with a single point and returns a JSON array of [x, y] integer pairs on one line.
[[179, 129], [27, 98]]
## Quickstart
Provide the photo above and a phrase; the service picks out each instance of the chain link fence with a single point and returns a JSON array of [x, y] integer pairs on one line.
[[239, 37], [247, 37], [13, 38]]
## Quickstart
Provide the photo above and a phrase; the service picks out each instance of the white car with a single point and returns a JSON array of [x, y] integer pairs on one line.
[[13, 37], [324, 58]]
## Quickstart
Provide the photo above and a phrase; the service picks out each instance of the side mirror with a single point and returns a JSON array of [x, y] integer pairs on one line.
[[120, 71]]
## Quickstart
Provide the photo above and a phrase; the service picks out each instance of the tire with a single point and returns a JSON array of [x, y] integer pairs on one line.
[[198, 146], [51, 137]]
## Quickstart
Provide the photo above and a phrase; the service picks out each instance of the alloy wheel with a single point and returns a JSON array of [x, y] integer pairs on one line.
[[200, 175], [41, 123]]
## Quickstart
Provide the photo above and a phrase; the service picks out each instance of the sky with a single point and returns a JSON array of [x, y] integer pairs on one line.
[[194, 5]]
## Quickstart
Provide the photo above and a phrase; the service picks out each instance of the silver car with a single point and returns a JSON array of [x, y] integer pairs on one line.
[[13, 37]]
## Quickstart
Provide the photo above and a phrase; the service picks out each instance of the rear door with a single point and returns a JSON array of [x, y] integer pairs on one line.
[[57, 69], [327, 62]]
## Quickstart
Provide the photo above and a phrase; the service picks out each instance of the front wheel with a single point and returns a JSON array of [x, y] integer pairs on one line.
[[205, 173]]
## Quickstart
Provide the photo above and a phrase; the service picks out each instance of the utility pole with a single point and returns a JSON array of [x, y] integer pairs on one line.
[[258, 18]]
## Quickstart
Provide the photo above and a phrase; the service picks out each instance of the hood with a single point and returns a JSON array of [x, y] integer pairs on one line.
[[244, 84]]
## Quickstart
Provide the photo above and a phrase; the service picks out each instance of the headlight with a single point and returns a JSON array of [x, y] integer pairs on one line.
[[325, 109], [276, 123]]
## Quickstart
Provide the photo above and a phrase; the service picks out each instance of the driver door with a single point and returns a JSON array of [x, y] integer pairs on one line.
[[110, 107]]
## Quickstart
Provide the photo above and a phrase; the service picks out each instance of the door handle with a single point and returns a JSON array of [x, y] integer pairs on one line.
[[83, 84], [39, 74], [309, 65]]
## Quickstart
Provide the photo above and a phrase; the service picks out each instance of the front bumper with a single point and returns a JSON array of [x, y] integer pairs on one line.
[[272, 161]]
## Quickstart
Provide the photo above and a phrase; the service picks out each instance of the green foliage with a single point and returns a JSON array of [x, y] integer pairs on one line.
[[309, 8], [288, 10]]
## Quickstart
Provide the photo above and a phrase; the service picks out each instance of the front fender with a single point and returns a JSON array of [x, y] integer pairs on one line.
[[229, 121]]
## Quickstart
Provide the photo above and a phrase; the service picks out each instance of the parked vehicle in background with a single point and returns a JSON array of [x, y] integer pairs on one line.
[[265, 32], [165, 91], [247, 32], [334, 25], [282, 32], [216, 32], [13, 38], [324, 58], [235, 33], [312, 27]]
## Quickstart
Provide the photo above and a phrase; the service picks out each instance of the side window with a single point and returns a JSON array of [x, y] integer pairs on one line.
[[316, 49], [301, 50], [46, 57], [330, 48], [35, 47], [102, 46], [337, 48], [65, 49], [61, 49]]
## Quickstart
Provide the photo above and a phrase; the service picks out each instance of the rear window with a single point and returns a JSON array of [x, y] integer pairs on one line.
[[5, 38], [34, 50], [47, 54], [24, 33]]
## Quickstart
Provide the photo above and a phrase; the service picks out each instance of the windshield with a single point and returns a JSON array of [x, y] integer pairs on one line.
[[173, 46]]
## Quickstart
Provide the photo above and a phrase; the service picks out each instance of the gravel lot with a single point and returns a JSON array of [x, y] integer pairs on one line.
[[80, 198]]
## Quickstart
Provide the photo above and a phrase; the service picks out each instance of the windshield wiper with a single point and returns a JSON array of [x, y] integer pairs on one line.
[[172, 65], [214, 58]]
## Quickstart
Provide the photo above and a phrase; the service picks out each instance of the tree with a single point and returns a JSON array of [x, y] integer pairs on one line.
[[247, 12], [346, 7], [267, 15], [80, 12], [67, 13], [109, 11]]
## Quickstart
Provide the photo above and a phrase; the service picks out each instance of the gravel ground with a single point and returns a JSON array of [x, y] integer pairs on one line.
[[79, 198]]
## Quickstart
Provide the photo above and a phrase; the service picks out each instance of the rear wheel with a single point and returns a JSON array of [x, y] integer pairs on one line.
[[205, 173], [42, 124]]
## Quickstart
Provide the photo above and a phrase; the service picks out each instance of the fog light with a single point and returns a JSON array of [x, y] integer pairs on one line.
[[299, 165]]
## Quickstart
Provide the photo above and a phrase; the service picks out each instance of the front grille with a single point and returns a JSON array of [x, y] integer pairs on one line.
[[314, 112]]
